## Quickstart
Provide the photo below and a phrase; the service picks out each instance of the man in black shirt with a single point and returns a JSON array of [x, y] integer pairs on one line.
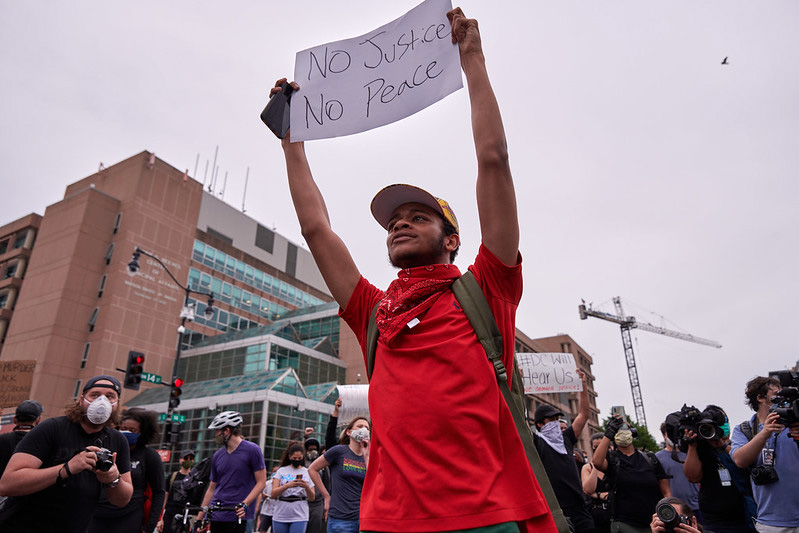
[[28, 414], [556, 449], [636, 479], [175, 500], [55, 477]]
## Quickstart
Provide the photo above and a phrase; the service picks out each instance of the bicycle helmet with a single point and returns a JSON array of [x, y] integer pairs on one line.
[[226, 419]]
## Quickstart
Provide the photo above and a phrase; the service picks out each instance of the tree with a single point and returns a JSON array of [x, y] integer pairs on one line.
[[644, 440]]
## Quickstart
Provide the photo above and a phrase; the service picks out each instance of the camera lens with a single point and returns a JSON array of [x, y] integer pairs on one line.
[[707, 431], [667, 513]]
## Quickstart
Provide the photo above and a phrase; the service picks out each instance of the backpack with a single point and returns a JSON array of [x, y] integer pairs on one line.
[[192, 488], [471, 299], [612, 457]]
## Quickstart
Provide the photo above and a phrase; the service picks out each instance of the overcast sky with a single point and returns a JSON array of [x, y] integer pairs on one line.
[[644, 168]]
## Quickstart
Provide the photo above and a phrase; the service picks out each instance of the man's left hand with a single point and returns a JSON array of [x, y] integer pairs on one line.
[[465, 32]]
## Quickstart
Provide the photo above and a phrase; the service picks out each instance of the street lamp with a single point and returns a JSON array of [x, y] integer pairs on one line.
[[187, 313]]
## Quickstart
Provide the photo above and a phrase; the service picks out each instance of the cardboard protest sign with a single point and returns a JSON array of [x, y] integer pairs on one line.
[[548, 372], [354, 402], [378, 78], [16, 378]]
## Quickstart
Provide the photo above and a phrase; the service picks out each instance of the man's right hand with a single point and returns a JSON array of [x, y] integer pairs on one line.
[[772, 425], [83, 460]]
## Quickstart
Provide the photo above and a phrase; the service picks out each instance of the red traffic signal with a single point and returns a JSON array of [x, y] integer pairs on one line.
[[134, 370], [175, 392]]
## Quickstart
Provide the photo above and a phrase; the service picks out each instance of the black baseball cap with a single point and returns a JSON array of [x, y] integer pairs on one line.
[[93, 383], [546, 411], [28, 411]]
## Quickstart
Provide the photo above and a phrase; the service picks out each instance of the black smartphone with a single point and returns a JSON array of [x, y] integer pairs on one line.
[[299, 477], [276, 113]]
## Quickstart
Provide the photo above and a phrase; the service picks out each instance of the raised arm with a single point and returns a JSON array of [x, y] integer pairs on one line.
[[329, 251], [496, 198], [583, 406]]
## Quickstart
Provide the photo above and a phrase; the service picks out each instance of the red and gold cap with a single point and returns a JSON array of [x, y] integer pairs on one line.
[[389, 198]]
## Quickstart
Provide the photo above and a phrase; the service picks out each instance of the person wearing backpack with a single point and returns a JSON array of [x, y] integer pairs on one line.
[[431, 372], [770, 450], [176, 499], [637, 480]]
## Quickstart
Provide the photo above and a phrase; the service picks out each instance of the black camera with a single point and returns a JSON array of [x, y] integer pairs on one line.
[[668, 514], [705, 424], [786, 402], [764, 475], [105, 460], [689, 419]]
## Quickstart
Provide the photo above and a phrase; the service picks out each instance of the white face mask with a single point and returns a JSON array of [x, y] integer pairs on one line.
[[99, 410], [359, 434]]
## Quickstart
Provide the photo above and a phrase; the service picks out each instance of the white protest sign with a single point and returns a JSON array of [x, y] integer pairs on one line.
[[378, 78], [548, 372], [354, 401]]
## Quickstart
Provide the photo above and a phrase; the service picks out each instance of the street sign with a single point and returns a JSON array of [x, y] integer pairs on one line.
[[151, 378], [175, 417]]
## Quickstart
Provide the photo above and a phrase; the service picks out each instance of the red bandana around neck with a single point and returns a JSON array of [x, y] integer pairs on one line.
[[412, 293]]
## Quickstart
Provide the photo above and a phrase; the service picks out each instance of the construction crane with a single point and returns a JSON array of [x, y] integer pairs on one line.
[[627, 323]]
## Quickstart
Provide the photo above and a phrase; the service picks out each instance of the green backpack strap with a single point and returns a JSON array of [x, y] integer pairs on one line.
[[371, 341], [475, 306]]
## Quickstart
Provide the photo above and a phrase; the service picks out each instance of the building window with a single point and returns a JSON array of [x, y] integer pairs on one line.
[[77, 389], [4, 246], [116, 223], [3, 300], [10, 271], [93, 319], [20, 242], [109, 254], [85, 355], [264, 238], [102, 286]]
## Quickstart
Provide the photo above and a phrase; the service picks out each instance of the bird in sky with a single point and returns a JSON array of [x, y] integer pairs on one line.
[[724, 62]]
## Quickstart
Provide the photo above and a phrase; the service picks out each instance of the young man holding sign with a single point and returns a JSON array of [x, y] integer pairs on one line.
[[464, 466]]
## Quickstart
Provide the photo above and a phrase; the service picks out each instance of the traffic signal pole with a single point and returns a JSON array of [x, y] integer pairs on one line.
[[170, 437]]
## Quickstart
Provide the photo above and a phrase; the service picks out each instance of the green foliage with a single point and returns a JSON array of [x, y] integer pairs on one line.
[[644, 441]]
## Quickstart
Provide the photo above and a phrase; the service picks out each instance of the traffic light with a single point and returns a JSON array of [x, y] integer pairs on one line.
[[133, 370], [175, 392], [174, 432]]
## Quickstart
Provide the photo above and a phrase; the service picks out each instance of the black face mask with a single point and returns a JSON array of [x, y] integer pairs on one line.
[[296, 462]]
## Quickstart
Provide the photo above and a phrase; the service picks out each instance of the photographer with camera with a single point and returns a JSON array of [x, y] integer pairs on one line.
[[673, 514], [636, 479], [724, 497], [59, 470], [767, 444], [673, 459]]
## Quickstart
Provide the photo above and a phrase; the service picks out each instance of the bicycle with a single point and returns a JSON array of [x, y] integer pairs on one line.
[[187, 524]]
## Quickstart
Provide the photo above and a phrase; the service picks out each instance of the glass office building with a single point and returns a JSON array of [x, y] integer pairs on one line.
[[281, 377]]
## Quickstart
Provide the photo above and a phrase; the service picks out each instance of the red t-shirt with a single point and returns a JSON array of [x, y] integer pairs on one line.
[[445, 453]]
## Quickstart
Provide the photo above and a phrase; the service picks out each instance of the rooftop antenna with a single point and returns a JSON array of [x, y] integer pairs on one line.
[[205, 176], [196, 162], [213, 179], [224, 184], [244, 196], [213, 170]]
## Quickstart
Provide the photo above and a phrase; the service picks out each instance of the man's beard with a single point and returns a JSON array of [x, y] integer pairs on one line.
[[430, 257]]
